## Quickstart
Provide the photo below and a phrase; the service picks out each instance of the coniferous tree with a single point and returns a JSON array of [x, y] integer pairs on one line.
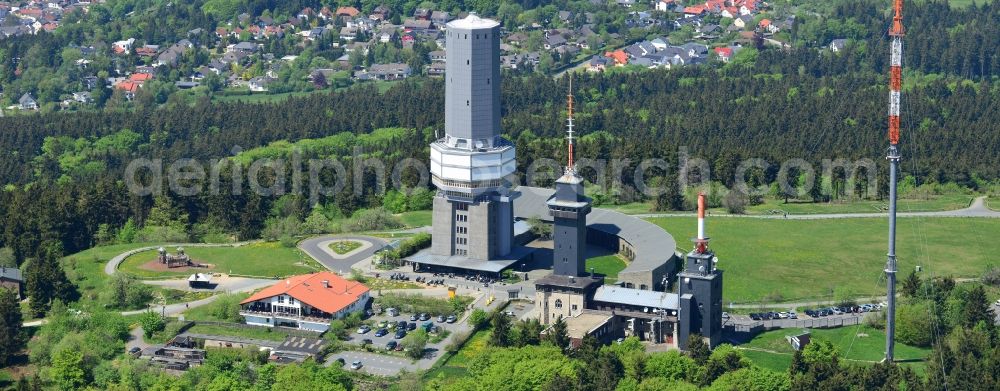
[[11, 338], [46, 281], [698, 349], [500, 336], [558, 335], [977, 309], [911, 285]]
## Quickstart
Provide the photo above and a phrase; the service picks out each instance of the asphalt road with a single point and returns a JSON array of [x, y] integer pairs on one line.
[[376, 364], [317, 249]]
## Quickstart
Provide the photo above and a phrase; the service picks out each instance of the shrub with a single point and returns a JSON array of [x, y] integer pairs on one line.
[[736, 202], [913, 324], [991, 276]]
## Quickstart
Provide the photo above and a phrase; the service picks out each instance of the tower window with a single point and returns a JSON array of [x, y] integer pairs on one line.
[[558, 303], [466, 62]]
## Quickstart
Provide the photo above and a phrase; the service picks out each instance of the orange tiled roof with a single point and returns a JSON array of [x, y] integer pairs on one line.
[[309, 289], [140, 77], [620, 57], [129, 86], [349, 11]]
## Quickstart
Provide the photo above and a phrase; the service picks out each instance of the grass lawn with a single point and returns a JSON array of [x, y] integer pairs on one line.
[[634, 208], [607, 265], [457, 365], [376, 284], [416, 219], [265, 333], [86, 268], [935, 203], [205, 312], [344, 246], [263, 97], [259, 259], [966, 3], [852, 342], [809, 259], [178, 296]]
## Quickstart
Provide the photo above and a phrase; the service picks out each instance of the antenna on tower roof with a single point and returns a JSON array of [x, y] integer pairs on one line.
[[570, 167]]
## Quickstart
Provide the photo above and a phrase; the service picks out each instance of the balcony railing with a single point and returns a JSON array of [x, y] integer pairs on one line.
[[303, 318]]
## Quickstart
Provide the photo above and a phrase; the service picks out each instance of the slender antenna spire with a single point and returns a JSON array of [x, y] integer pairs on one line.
[[895, 81], [569, 124]]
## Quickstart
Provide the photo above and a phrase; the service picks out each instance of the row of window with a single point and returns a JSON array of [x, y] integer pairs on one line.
[[461, 241], [461, 218], [466, 36], [461, 230], [281, 299], [559, 304]]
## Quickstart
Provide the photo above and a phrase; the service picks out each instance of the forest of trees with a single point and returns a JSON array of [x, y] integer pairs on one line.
[[64, 172]]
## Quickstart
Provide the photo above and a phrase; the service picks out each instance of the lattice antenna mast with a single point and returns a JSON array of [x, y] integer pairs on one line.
[[570, 166], [895, 82]]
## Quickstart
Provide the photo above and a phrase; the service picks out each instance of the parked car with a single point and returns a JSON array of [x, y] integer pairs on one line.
[[451, 319], [782, 315], [401, 325], [413, 318], [135, 351], [400, 333], [441, 319], [424, 316], [366, 341], [356, 365], [755, 316], [792, 315], [392, 312], [411, 326], [381, 332], [390, 345], [364, 329]]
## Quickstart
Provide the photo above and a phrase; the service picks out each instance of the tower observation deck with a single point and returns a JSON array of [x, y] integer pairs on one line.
[[473, 211]]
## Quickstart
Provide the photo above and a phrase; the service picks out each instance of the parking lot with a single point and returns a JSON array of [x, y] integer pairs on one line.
[[821, 317], [380, 362]]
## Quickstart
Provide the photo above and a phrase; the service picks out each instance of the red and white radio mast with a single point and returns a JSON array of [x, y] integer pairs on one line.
[[895, 81]]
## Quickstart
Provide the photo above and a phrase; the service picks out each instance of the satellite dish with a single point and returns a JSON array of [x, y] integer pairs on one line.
[[645, 309], [480, 144], [701, 269], [715, 259], [687, 280]]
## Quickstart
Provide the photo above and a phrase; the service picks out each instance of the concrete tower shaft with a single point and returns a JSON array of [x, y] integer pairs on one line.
[[472, 82]]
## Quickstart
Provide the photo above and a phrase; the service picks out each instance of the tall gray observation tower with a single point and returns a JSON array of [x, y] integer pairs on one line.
[[473, 210]]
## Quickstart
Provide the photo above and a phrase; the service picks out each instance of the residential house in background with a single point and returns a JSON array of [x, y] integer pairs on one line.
[[838, 44], [259, 83], [10, 278], [27, 102]]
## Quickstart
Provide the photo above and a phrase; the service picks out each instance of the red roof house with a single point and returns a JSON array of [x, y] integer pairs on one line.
[[306, 302], [620, 57]]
